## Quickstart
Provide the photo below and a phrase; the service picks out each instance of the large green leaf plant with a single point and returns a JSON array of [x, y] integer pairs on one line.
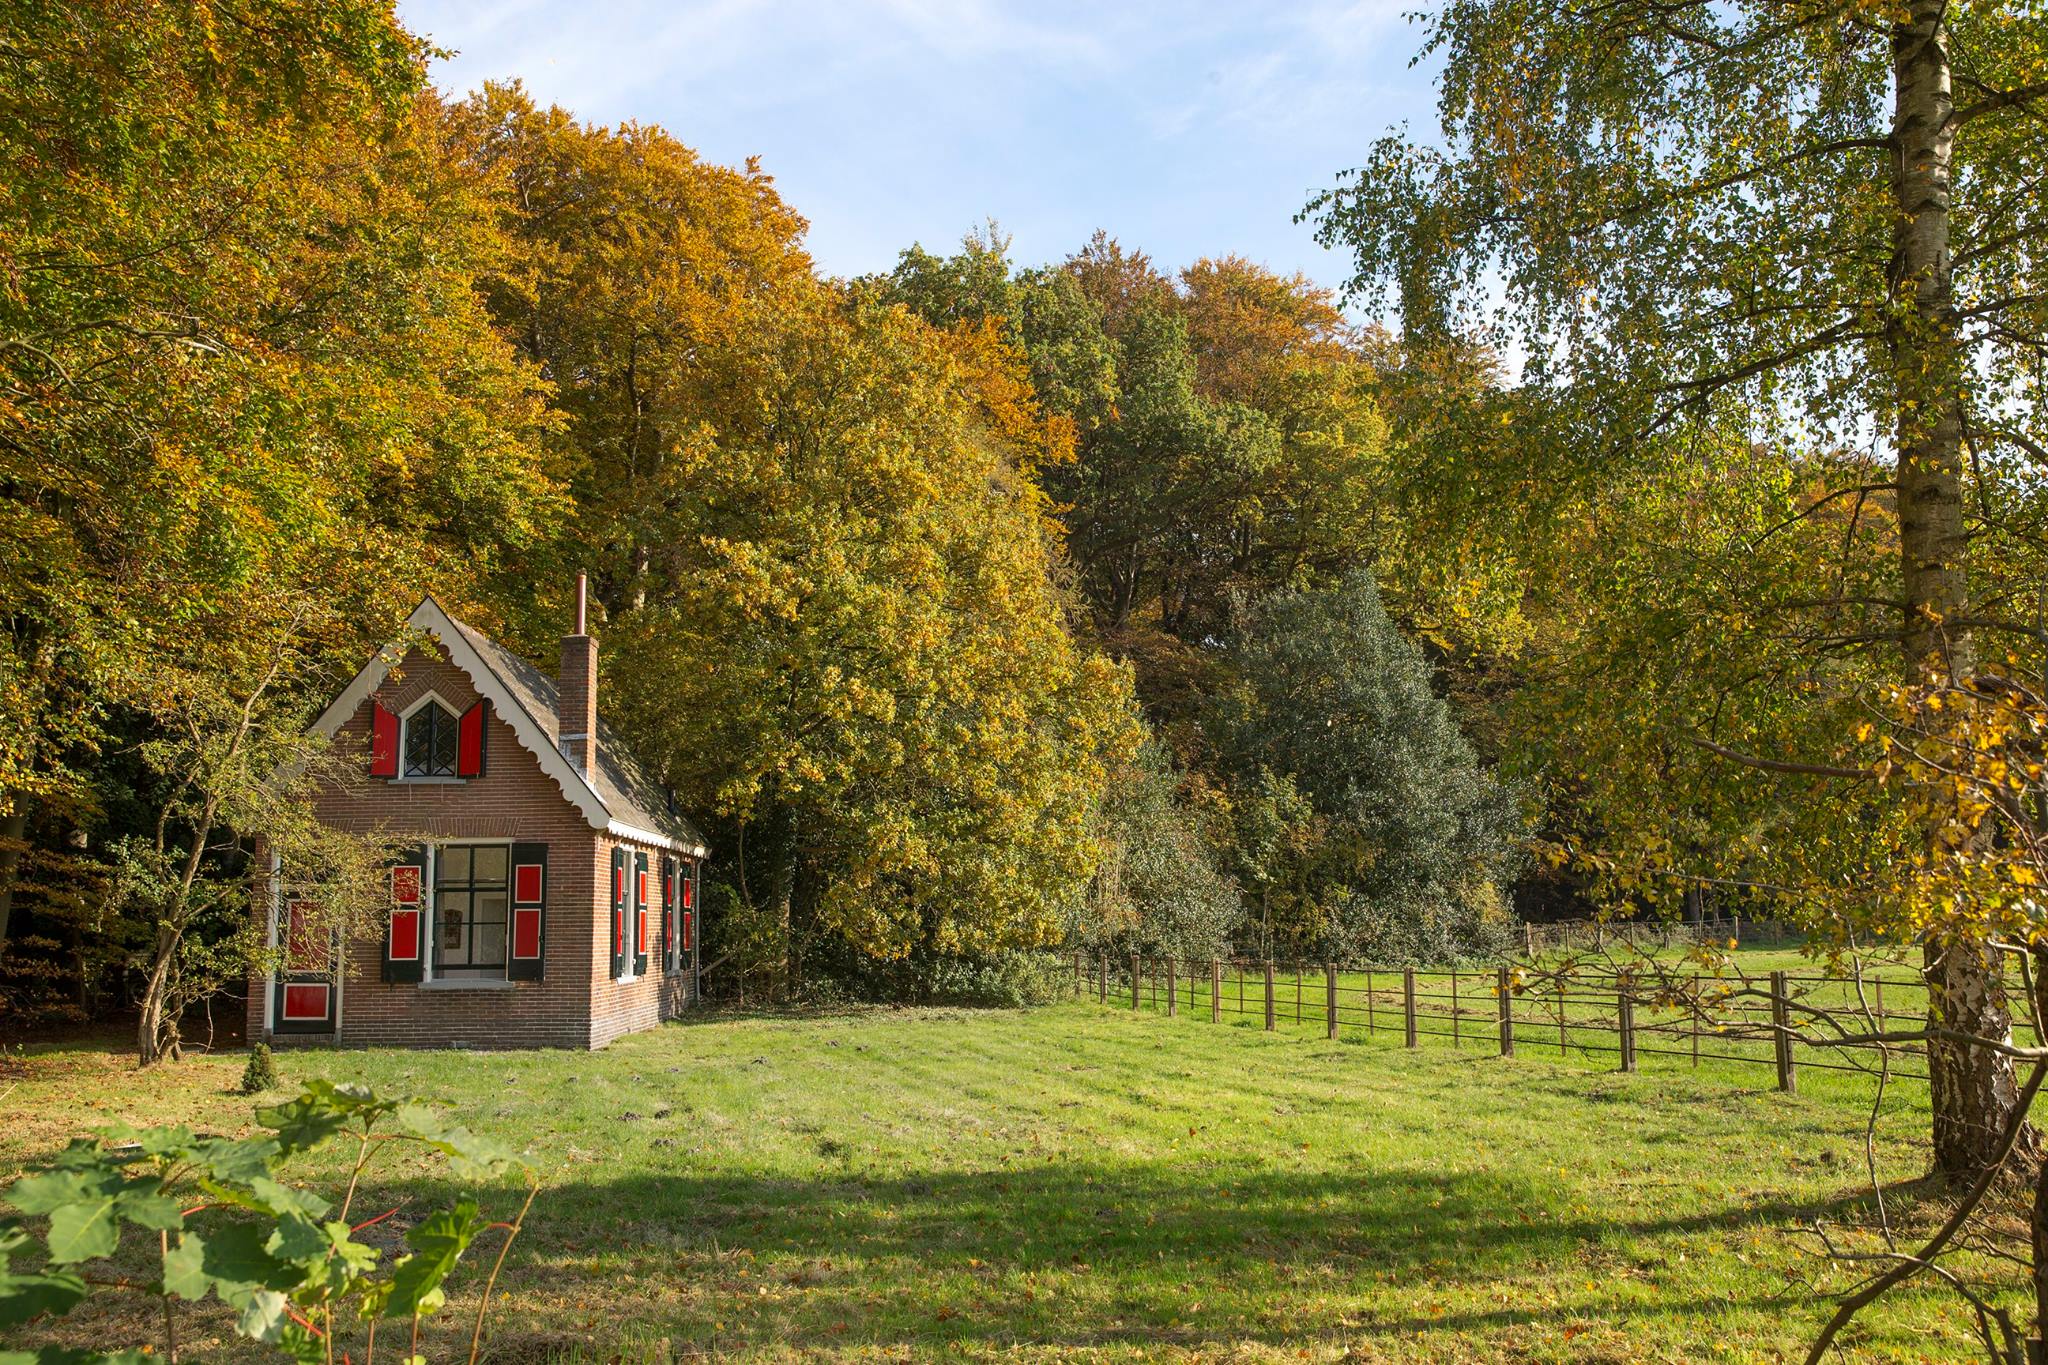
[[227, 1224]]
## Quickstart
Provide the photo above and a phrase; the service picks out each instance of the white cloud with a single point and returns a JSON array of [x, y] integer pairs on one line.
[[1190, 127]]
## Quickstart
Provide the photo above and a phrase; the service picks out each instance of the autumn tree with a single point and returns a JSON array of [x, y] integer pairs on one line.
[[822, 555], [1225, 424], [1809, 227], [250, 406], [640, 277]]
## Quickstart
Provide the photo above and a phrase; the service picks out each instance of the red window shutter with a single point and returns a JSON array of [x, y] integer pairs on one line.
[[689, 930], [469, 742], [383, 742], [405, 941]]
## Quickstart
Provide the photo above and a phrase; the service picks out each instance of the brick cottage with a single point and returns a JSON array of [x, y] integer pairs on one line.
[[551, 900]]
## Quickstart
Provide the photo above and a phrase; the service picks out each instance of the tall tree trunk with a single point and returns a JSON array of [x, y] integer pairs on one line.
[[1973, 1087], [156, 1032], [149, 1029]]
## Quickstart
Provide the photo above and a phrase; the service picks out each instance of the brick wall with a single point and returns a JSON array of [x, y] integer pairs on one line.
[[576, 1004]]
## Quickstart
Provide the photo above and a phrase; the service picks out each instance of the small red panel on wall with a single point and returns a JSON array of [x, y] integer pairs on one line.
[[526, 934], [689, 931], [405, 884], [305, 1002], [527, 884], [405, 935], [305, 946]]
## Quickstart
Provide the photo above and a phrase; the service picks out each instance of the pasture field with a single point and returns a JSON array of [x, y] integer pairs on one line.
[[1081, 1183]]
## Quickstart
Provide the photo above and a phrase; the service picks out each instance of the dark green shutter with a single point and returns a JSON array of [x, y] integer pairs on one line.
[[671, 913], [408, 930], [643, 870], [619, 867], [526, 945]]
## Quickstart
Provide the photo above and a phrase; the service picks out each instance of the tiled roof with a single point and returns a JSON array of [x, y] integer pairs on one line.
[[620, 782]]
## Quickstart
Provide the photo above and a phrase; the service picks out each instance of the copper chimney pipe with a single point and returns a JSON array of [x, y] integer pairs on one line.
[[582, 603]]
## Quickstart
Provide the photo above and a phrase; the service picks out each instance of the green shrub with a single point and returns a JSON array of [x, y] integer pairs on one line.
[[1001, 980], [223, 1222], [261, 1073]]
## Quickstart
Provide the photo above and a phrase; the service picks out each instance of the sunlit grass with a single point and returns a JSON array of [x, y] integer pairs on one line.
[[1089, 1183]]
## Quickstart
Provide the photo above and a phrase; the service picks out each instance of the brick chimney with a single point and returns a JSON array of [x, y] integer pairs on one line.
[[576, 708]]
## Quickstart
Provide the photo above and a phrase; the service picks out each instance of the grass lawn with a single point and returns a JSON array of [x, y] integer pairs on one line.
[[1076, 1183]]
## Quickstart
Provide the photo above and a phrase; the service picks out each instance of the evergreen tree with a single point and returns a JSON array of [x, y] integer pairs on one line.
[[1358, 792]]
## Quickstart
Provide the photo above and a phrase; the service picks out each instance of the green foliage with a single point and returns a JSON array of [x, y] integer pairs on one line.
[[250, 406], [818, 550], [1366, 806], [226, 1224], [1691, 522], [1159, 889], [261, 1073]]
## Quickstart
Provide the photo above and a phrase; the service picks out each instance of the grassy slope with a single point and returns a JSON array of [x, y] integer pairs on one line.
[[1109, 1186]]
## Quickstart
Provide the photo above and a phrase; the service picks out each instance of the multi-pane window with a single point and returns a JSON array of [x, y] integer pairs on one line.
[[430, 742], [471, 898]]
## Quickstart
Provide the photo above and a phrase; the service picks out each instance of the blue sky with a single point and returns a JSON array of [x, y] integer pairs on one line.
[[1185, 130]]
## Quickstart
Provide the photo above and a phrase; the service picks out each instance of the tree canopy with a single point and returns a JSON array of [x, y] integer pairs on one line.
[[1768, 270]]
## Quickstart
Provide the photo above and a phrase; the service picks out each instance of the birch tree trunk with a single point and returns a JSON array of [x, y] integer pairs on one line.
[[1974, 1088]]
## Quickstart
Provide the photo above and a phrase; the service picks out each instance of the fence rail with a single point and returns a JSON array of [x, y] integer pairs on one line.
[[1762, 1021]]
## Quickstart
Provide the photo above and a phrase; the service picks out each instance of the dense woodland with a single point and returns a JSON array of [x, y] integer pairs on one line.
[[1683, 546], [973, 608]]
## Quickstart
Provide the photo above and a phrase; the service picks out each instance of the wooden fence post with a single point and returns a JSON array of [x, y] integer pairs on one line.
[[1408, 1000], [1330, 995], [1695, 1019], [1788, 1072], [1457, 1014], [1080, 972], [1102, 981], [1137, 977], [1172, 989], [1507, 1017], [1215, 991], [1626, 1005], [1269, 995], [1371, 1022]]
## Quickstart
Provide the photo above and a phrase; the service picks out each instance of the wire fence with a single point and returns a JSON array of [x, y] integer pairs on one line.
[[1577, 934], [1779, 1020]]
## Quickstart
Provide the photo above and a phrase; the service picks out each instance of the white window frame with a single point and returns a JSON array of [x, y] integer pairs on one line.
[[405, 719], [433, 908]]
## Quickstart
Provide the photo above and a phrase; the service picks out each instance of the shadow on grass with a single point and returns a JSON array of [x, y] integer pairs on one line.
[[1070, 1255]]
